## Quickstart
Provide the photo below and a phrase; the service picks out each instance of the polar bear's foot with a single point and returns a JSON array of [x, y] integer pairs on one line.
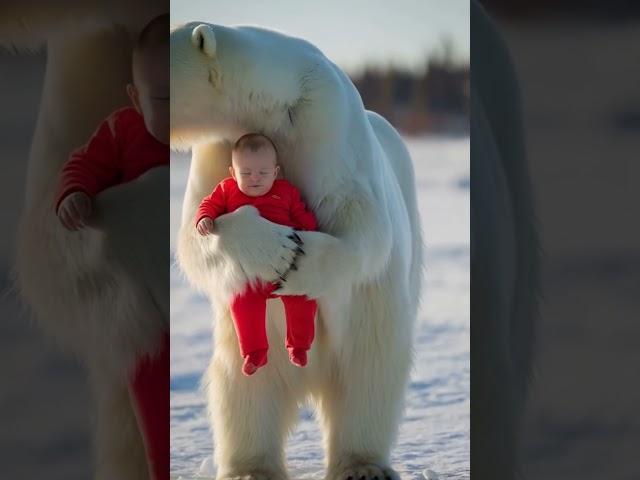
[[363, 471]]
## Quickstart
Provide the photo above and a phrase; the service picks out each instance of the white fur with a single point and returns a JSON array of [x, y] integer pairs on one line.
[[102, 293], [364, 265]]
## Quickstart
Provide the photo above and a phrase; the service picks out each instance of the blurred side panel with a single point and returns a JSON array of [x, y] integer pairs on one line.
[[576, 70], [44, 401], [67, 298]]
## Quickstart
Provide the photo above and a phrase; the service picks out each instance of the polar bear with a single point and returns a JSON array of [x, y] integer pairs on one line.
[[364, 265], [101, 293]]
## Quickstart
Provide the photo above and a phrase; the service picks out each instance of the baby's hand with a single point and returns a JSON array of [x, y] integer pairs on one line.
[[74, 210], [205, 226]]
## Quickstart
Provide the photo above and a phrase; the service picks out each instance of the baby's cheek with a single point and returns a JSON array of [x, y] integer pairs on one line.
[[242, 184]]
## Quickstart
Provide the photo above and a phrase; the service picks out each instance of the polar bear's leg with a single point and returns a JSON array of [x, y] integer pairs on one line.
[[251, 416], [119, 447], [361, 400]]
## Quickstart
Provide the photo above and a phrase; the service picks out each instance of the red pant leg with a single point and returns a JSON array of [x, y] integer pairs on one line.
[[300, 312], [248, 310], [149, 386]]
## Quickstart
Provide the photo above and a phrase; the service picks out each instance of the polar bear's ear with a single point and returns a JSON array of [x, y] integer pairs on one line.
[[204, 39]]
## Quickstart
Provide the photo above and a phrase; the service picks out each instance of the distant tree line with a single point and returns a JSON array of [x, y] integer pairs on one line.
[[435, 100]]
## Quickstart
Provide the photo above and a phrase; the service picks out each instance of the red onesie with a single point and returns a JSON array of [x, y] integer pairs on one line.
[[282, 204], [119, 151]]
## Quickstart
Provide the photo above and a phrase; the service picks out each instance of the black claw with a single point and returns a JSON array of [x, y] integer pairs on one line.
[[296, 238], [299, 251], [283, 275], [294, 267]]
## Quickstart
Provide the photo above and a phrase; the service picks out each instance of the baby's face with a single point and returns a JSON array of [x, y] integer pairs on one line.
[[150, 91], [255, 172]]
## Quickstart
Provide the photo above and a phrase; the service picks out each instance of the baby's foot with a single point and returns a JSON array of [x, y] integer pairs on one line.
[[253, 361], [298, 356]]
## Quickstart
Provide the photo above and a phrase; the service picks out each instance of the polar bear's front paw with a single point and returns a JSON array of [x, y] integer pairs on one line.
[[319, 265], [284, 271], [264, 249], [363, 471]]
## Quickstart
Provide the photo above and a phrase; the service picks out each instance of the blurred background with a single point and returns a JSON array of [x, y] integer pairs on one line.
[[410, 63], [577, 65]]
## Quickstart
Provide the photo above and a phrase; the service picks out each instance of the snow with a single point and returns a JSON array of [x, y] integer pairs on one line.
[[434, 434]]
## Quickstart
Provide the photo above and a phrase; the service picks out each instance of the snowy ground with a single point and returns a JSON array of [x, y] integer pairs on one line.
[[435, 431]]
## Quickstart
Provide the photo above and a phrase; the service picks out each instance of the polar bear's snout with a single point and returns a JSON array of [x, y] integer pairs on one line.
[[204, 39]]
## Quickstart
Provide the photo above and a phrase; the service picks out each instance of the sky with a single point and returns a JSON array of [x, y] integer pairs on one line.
[[352, 33]]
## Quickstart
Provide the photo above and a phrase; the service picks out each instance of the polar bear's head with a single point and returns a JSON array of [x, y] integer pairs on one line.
[[230, 80]]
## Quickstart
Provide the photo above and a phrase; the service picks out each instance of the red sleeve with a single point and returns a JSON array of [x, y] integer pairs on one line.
[[302, 217], [93, 167], [214, 205]]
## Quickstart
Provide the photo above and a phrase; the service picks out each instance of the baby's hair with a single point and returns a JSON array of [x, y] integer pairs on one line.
[[154, 34], [254, 142]]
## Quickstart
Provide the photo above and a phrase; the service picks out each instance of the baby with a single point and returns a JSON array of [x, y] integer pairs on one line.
[[253, 182], [126, 144], [131, 140]]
